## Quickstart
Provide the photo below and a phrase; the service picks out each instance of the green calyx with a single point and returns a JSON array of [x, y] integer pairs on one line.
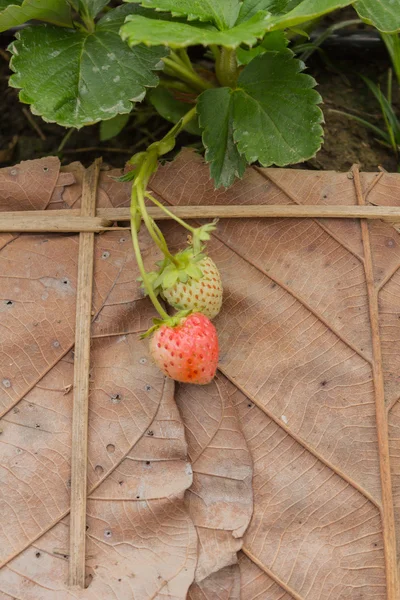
[[201, 235], [184, 268], [173, 321]]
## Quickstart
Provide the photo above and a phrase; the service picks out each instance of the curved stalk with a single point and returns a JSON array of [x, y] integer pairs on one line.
[[186, 75], [156, 235], [138, 255], [147, 165], [169, 213]]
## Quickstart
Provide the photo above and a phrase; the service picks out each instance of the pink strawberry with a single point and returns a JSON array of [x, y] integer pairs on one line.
[[186, 351], [201, 295]]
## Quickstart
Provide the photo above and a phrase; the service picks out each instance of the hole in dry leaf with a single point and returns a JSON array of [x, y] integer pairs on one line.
[[143, 361], [65, 281], [147, 387], [37, 426], [121, 482], [56, 344], [119, 579], [107, 533], [105, 255], [37, 554], [137, 497], [115, 398], [323, 383], [150, 433], [8, 302], [147, 462], [7, 383], [87, 527], [45, 169], [99, 469], [110, 448]]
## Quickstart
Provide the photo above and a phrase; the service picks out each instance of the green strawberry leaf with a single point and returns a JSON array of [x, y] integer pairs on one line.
[[305, 10], [175, 34], [252, 7], [92, 7], [382, 14], [76, 78], [111, 128], [223, 13], [16, 12], [5, 3], [254, 19], [215, 110], [172, 109], [275, 41], [276, 119], [273, 114]]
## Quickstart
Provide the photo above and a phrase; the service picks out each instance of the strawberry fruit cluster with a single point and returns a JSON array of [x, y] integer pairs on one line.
[[185, 345]]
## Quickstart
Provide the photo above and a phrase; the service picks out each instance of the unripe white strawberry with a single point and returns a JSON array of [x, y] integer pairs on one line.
[[199, 295]]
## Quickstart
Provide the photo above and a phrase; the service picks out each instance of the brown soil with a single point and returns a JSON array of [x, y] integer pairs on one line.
[[346, 142]]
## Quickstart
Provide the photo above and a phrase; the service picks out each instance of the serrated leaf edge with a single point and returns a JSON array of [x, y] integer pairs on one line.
[[317, 125], [14, 51]]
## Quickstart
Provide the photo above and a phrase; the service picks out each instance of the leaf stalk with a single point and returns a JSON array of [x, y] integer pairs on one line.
[[226, 67]]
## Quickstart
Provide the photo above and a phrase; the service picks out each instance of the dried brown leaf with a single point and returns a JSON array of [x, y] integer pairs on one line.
[[222, 585], [220, 500], [29, 185], [141, 540], [300, 344], [300, 384]]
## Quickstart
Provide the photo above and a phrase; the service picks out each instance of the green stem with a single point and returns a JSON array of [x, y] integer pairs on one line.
[[175, 68], [175, 84], [215, 51], [169, 213], [65, 139], [156, 235], [226, 67], [88, 22], [186, 118], [389, 86], [147, 166], [135, 240], [184, 58], [392, 42]]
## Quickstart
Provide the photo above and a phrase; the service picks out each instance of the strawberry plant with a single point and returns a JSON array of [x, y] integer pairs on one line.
[[247, 96]]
